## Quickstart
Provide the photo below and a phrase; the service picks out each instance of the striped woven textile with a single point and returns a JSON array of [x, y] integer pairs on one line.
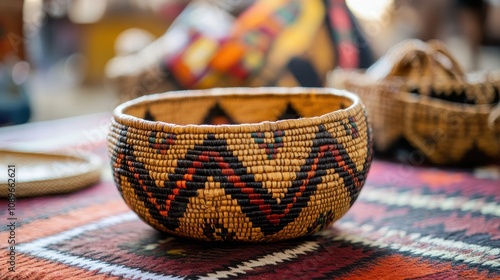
[[409, 222]]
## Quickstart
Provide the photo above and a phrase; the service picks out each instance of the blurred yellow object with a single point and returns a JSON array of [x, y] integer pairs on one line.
[[98, 46]]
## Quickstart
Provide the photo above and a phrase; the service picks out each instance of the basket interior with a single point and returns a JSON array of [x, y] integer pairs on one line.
[[236, 109]]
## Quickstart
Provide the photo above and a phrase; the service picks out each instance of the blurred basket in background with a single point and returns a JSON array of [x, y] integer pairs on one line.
[[418, 95]]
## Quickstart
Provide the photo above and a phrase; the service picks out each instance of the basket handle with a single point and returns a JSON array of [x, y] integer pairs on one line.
[[416, 57], [494, 117], [420, 62], [455, 70]]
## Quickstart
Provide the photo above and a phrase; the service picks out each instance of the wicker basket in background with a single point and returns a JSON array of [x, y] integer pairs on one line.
[[418, 94], [278, 163]]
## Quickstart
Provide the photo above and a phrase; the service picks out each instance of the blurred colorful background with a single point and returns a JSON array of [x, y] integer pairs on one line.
[[55, 54]]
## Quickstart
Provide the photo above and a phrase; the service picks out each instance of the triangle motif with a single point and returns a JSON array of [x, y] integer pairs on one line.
[[289, 113], [217, 115]]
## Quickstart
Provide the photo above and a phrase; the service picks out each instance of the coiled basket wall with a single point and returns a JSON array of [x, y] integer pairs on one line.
[[241, 164]]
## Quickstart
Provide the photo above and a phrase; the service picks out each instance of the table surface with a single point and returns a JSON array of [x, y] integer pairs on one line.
[[409, 222]]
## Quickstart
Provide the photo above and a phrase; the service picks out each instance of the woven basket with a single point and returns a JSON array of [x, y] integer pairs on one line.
[[264, 179], [417, 94]]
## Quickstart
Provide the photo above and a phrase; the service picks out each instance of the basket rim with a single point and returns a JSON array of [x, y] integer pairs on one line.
[[123, 118]]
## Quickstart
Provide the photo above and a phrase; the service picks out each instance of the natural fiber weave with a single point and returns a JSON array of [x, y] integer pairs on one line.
[[418, 93], [262, 180], [44, 174]]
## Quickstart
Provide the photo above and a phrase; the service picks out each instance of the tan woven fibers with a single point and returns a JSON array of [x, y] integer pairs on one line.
[[258, 179], [42, 174], [446, 132]]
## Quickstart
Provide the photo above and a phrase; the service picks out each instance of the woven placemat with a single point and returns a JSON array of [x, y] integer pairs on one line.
[[33, 174]]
